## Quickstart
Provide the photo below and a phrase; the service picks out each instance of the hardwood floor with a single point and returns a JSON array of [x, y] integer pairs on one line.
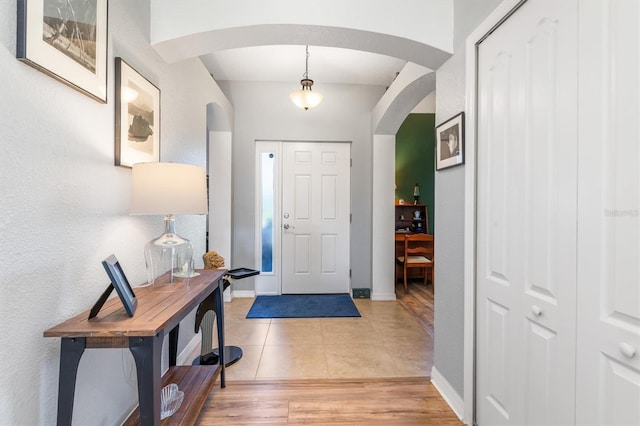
[[406, 401], [336, 401], [419, 302]]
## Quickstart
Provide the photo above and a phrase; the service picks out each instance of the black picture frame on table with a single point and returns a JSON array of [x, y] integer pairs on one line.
[[67, 41], [120, 283], [137, 117], [450, 142]]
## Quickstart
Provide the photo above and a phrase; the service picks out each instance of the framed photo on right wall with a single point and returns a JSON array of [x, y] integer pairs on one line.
[[450, 142]]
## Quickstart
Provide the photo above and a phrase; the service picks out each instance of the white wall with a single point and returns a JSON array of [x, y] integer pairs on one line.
[[418, 31], [265, 112], [220, 198], [467, 15], [427, 105], [429, 23], [449, 228], [65, 208], [383, 250], [449, 210]]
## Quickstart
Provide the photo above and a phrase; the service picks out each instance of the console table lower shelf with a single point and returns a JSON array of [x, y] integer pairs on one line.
[[196, 381]]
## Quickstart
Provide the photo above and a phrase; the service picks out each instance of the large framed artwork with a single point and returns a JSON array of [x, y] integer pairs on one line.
[[450, 142], [137, 118], [67, 40]]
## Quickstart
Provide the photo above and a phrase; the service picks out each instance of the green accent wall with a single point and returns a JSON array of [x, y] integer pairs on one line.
[[415, 142]]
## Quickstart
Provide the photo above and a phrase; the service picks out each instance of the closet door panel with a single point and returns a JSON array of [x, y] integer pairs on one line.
[[527, 202], [608, 364]]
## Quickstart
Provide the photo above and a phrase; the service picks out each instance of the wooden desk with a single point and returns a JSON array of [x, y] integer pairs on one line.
[[400, 236], [158, 312]]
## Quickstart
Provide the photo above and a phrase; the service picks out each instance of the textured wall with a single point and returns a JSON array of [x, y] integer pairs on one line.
[[65, 208], [450, 205], [468, 15], [449, 222]]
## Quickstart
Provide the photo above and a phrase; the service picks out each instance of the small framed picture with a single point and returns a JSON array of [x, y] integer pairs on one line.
[[137, 117], [121, 284], [450, 142], [66, 40]]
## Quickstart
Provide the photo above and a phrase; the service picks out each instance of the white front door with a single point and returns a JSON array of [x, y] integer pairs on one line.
[[526, 255], [315, 217]]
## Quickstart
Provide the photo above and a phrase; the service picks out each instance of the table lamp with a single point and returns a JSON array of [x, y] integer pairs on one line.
[[168, 189]]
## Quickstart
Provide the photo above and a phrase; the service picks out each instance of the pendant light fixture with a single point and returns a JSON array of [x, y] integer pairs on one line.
[[305, 97]]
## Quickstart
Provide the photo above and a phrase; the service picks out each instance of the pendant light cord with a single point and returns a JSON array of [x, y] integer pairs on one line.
[[306, 65]]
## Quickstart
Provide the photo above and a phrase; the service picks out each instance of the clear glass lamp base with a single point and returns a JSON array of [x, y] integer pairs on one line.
[[185, 275], [169, 259]]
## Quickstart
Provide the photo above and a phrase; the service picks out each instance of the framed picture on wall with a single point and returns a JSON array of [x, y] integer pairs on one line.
[[137, 111], [450, 142], [66, 40]]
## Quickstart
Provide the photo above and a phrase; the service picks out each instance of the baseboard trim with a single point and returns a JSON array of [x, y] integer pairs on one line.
[[447, 392], [244, 293], [227, 295], [184, 358], [383, 296]]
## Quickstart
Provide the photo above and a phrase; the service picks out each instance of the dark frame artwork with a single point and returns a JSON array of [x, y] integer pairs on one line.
[[66, 40], [137, 117], [121, 284], [450, 142]]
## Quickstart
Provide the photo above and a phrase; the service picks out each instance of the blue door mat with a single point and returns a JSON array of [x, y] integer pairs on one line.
[[303, 306]]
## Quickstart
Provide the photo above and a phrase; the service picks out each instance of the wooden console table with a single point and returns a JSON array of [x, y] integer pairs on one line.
[[158, 312]]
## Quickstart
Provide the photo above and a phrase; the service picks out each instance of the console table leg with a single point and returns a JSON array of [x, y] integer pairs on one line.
[[219, 303], [147, 353], [71, 350], [173, 345]]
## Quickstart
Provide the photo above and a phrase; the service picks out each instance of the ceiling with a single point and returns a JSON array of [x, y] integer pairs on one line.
[[285, 63]]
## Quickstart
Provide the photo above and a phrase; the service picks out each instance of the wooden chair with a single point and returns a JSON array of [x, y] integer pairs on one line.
[[418, 253]]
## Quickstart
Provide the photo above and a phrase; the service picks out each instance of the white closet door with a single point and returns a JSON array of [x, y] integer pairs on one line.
[[608, 365], [526, 242]]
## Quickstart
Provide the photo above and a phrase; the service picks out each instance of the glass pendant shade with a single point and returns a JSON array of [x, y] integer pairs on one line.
[[168, 189], [306, 98]]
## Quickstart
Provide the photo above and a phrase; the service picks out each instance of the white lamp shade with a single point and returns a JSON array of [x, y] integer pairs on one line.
[[168, 188], [306, 98]]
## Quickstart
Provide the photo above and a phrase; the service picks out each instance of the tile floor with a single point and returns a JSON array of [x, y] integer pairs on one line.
[[385, 342]]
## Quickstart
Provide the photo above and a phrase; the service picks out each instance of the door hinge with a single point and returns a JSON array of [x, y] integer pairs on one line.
[[349, 273], [350, 218], [350, 162]]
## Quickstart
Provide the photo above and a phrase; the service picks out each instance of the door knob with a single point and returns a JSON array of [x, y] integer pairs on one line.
[[536, 310], [285, 226], [627, 350]]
